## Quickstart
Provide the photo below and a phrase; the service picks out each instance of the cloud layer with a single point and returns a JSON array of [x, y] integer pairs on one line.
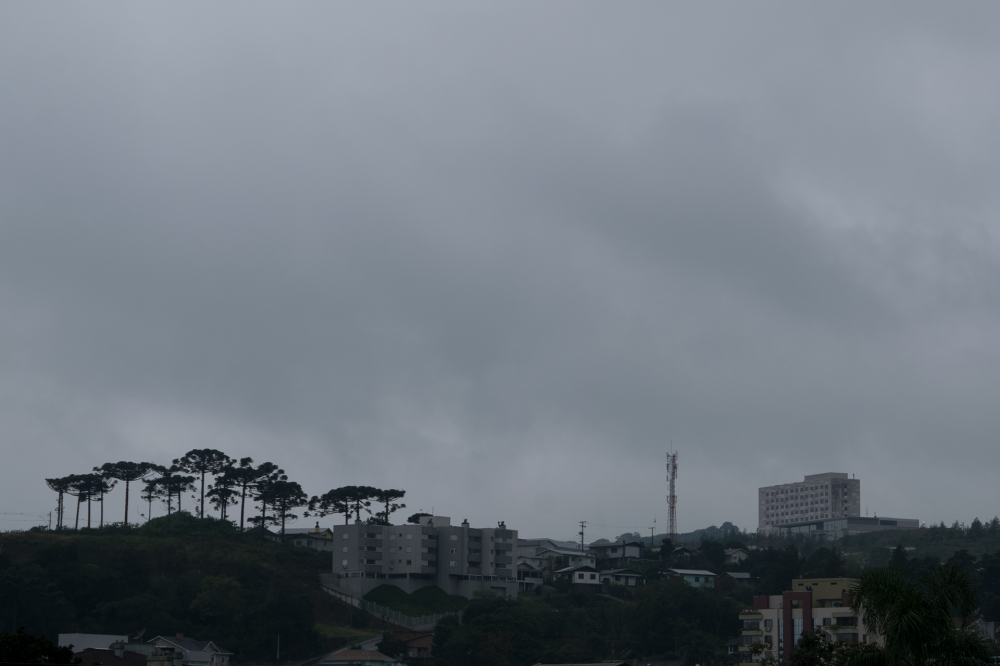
[[503, 256]]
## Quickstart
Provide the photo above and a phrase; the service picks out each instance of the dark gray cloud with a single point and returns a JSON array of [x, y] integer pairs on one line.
[[502, 256]]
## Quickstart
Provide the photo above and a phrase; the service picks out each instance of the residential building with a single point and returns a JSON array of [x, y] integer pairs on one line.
[[317, 538], [526, 547], [553, 559], [778, 620], [192, 651], [836, 528], [818, 496], [693, 577], [80, 642], [735, 555], [459, 559], [741, 577], [617, 553], [626, 577], [582, 579]]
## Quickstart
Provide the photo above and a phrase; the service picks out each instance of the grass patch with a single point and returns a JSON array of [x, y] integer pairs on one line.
[[425, 601], [343, 634]]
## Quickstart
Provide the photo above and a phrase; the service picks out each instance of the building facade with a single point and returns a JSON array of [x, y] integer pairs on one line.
[[817, 497], [778, 620], [459, 559]]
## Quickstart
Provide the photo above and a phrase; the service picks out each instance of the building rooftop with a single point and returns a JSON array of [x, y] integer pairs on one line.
[[692, 572], [354, 656]]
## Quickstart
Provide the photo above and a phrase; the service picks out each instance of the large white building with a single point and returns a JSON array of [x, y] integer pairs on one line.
[[817, 497]]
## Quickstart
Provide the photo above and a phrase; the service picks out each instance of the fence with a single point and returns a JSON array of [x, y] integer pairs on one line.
[[421, 623]]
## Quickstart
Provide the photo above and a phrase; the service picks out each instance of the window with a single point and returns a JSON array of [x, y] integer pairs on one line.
[[409, 536], [409, 549], [580, 576], [697, 579], [767, 625], [593, 576], [391, 549], [345, 549], [346, 536], [409, 561], [392, 537], [453, 563], [454, 550], [344, 562], [453, 537], [826, 622]]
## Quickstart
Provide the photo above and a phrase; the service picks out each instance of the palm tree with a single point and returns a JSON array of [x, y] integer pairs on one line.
[[923, 622], [127, 472], [202, 462]]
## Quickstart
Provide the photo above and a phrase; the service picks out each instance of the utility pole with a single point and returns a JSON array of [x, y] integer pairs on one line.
[[583, 524]]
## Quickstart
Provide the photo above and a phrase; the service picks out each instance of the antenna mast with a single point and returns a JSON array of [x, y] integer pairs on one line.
[[583, 524], [672, 496]]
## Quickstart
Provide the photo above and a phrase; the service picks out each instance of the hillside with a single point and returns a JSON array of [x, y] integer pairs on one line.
[[175, 574]]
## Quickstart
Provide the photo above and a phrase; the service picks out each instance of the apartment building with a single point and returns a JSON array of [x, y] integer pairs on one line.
[[816, 497], [778, 620], [459, 559]]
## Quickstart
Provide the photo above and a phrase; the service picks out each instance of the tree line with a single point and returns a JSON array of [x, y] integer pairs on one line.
[[220, 481]]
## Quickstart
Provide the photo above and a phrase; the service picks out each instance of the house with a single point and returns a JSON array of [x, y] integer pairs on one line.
[[626, 577], [529, 575], [316, 537], [534, 546], [741, 577], [554, 560], [109, 657], [358, 658], [735, 555], [617, 553], [83, 641], [693, 577], [192, 651], [582, 579], [418, 643]]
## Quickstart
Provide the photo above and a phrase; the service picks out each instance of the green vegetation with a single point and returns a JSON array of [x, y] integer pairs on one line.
[[665, 619], [178, 573], [21, 647], [425, 601]]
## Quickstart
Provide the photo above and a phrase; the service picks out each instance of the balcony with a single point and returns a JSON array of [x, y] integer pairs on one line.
[[751, 615]]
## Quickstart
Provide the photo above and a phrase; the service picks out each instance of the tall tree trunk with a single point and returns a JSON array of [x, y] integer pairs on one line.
[[201, 509], [284, 512], [79, 500], [149, 512], [126, 500], [263, 516], [102, 509], [243, 504], [59, 512], [88, 512]]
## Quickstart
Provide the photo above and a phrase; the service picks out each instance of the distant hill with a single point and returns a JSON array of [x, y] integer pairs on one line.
[[175, 574]]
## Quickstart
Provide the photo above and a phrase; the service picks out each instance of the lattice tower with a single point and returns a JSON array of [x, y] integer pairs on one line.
[[672, 497]]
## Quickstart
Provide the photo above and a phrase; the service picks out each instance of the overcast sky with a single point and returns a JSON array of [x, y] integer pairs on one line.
[[501, 255]]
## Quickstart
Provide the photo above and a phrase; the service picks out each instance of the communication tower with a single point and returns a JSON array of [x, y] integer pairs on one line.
[[672, 497]]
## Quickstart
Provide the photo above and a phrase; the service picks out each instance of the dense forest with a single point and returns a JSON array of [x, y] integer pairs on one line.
[[176, 574]]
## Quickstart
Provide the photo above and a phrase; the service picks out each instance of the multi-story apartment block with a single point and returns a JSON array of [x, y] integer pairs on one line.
[[817, 497], [457, 558], [778, 620]]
